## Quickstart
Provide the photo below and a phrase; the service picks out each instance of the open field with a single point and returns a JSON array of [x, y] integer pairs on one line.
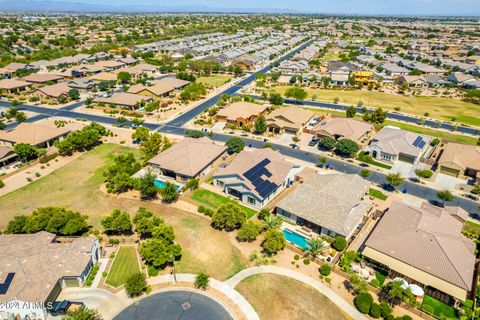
[[330, 56], [278, 297], [76, 187], [411, 127], [438, 108], [214, 201], [124, 265], [215, 80]]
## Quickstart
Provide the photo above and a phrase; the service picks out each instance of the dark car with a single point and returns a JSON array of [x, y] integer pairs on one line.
[[313, 142], [60, 307]]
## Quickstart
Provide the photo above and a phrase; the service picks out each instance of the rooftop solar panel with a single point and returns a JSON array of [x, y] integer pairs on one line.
[[256, 176]]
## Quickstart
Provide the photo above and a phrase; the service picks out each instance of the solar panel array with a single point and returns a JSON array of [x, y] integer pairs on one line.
[[419, 143], [6, 284], [256, 174]]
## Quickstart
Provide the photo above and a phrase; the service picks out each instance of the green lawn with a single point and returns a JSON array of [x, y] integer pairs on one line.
[[124, 265], [214, 201], [215, 80], [377, 194], [439, 108], [439, 308], [362, 157]]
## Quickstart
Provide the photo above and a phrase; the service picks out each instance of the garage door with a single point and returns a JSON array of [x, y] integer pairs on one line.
[[449, 171], [405, 158]]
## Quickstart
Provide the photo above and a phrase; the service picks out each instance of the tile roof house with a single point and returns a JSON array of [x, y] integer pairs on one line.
[[54, 91], [160, 88], [426, 245], [125, 99], [256, 176], [32, 133], [343, 128], [35, 268], [392, 144], [240, 113], [460, 160], [12, 85], [7, 155], [288, 119], [328, 204], [40, 78], [413, 81], [82, 84], [187, 159]]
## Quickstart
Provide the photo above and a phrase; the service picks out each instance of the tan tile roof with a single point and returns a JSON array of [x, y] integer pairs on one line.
[[31, 133], [42, 77], [38, 262], [160, 87], [289, 117], [13, 84], [55, 90], [347, 128], [427, 238], [462, 155], [104, 76], [241, 110], [109, 64], [124, 99], [189, 157]]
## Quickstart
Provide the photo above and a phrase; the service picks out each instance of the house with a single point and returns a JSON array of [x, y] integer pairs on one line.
[[13, 86], [109, 65], [338, 79], [34, 134], [435, 81], [7, 155], [82, 84], [288, 120], [125, 99], [240, 113], [363, 77], [460, 160], [460, 77], [6, 73], [56, 91], [256, 176], [320, 203], [413, 81], [161, 88], [392, 144], [293, 66], [425, 246], [343, 128], [247, 62], [34, 268], [104, 76], [42, 78], [146, 68], [395, 70], [187, 159], [128, 60]]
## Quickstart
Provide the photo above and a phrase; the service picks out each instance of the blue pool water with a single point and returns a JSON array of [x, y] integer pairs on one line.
[[295, 238], [161, 184]]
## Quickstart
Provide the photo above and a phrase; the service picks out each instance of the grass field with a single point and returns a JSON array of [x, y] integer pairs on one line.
[[76, 187], [330, 55], [124, 265], [439, 108], [440, 308], [377, 194], [215, 80], [278, 297], [214, 201]]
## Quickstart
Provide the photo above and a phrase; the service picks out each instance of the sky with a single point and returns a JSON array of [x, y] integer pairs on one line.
[[383, 7]]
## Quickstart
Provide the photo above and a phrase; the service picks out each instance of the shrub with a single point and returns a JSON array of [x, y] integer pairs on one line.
[[88, 282], [202, 280], [386, 309], [363, 302], [424, 173], [201, 209], [296, 257], [375, 311], [325, 269], [104, 274], [152, 271], [306, 261], [208, 212], [2, 184], [46, 158], [375, 283], [135, 284], [428, 309], [340, 243], [249, 231]]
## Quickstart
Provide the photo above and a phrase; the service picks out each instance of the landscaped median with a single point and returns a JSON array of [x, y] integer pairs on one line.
[[124, 265], [213, 201]]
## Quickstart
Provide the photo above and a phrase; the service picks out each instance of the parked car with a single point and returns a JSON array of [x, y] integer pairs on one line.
[[313, 142], [61, 307]]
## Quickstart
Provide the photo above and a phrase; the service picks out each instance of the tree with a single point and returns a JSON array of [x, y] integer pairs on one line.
[[169, 192], [378, 116], [160, 250], [347, 148], [351, 112], [476, 189], [202, 280], [260, 125], [151, 147], [74, 94], [325, 269], [194, 134], [375, 311], [145, 222], [141, 134], [27, 151], [328, 143], [339, 243], [365, 173], [358, 284], [315, 246], [193, 91], [117, 222], [296, 93], [274, 241], [396, 293], [82, 314], [272, 222], [275, 99], [394, 179], [119, 175], [124, 77], [249, 231], [363, 302], [191, 184], [146, 186], [445, 196], [295, 139], [235, 145], [135, 284], [229, 217], [20, 116]]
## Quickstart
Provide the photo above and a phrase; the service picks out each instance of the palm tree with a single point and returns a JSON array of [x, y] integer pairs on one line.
[[273, 222], [315, 246], [202, 281]]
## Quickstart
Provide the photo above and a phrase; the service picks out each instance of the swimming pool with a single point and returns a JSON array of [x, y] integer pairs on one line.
[[295, 238], [160, 184]]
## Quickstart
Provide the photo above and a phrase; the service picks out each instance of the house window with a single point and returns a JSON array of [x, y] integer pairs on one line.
[[251, 200], [220, 183]]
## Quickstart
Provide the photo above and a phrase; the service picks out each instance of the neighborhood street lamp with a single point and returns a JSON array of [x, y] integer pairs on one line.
[[173, 268]]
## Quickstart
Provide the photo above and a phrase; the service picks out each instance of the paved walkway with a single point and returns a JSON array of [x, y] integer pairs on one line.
[[317, 285], [98, 277]]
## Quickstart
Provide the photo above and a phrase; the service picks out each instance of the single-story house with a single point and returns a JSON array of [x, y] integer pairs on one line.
[[256, 176], [125, 99], [34, 268], [328, 204], [187, 159], [293, 66], [413, 81], [343, 128], [394, 70], [12, 85], [339, 79], [161, 88], [55, 91], [460, 160], [392, 144], [32, 133], [42, 78], [128, 60], [104, 76], [146, 68], [288, 120], [109, 65], [241, 113], [82, 84], [425, 246], [7, 155], [6, 73]]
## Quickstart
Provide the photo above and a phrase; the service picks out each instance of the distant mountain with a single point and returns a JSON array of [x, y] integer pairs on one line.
[[54, 6]]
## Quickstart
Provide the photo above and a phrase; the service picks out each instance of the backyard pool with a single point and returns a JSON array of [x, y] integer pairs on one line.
[[295, 238], [160, 184]]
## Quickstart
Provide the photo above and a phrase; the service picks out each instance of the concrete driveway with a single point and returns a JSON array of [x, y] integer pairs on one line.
[[443, 181], [404, 169], [285, 138]]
